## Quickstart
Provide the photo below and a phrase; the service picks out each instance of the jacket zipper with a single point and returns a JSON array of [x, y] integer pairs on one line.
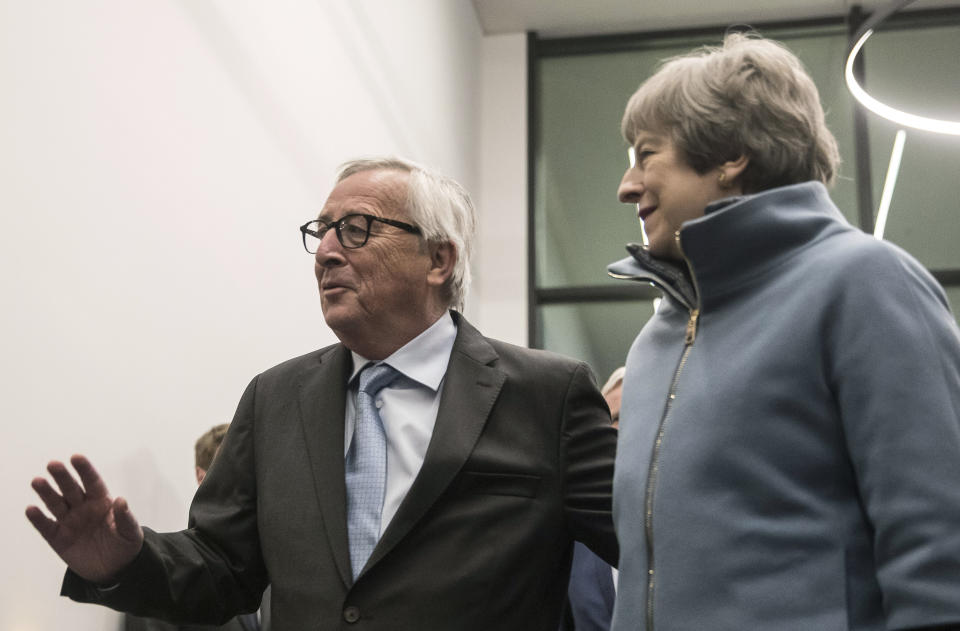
[[690, 335]]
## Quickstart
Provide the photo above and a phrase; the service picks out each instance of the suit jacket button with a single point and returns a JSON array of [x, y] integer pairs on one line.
[[351, 614]]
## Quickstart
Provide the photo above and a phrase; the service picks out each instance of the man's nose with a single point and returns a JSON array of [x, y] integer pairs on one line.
[[329, 250], [631, 187]]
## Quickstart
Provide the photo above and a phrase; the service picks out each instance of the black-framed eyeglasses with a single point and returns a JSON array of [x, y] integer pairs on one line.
[[352, 230]]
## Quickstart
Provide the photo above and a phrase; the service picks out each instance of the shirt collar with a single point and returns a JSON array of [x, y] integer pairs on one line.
[[424, 358]]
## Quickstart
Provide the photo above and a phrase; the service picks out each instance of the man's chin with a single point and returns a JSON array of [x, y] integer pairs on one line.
[[339, 317], [333, 315]]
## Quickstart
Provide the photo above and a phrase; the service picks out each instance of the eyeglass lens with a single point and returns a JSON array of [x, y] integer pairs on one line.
[[351, 230]]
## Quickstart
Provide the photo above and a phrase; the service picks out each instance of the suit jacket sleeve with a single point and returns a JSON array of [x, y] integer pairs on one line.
[[589, 444], [134, 623], [213, 570]]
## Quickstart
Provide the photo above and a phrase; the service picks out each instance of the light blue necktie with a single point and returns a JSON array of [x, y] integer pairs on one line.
[[366, 467]]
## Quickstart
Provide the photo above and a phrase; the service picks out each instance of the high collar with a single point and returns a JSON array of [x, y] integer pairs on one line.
[[736, 242]]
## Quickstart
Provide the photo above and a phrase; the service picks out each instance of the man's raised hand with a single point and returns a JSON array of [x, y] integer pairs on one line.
[[95, 535]]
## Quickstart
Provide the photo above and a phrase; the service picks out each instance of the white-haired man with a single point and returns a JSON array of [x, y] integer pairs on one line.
[[445, 491]]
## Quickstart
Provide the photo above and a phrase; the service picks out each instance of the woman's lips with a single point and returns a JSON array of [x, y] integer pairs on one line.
[[643, 213]]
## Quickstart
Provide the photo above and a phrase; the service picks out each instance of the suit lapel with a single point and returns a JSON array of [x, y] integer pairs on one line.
[[470, 388], [322, 409]]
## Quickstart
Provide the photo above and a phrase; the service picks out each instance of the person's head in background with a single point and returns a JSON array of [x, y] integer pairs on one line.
[[612, 392], [720, 122], [206, 448]]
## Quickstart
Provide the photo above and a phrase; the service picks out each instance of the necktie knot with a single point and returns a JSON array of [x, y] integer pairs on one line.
[[375, 378]]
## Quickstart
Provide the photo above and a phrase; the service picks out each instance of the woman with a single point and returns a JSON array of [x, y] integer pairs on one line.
[[790, 431]]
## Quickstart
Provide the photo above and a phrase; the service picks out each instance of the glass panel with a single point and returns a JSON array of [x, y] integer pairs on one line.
[[599, 333], [580, 225], [953, 295], [916, 70]]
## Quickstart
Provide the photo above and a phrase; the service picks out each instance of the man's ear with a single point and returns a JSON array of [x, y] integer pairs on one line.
[[443, 256]]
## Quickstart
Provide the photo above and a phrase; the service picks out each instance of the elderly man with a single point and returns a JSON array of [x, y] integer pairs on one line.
[[417, 475]]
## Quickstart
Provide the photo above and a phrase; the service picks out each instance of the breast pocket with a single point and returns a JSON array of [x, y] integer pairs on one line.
[[512, 484]]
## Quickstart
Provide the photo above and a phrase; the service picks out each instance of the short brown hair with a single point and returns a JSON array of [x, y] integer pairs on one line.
[[751, 97], [208, 444]]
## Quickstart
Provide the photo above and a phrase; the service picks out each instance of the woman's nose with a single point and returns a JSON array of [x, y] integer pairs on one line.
[[631, 187]]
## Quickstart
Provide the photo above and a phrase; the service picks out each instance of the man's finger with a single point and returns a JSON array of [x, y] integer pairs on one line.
[[71, 491], [92, 481], [44, 525], [51, 499], [127, 526]]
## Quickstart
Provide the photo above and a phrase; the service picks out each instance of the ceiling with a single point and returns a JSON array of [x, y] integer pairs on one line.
[[557, 18]]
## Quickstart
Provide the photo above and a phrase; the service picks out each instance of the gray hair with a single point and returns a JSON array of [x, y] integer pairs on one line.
[[441, 208], [751, 97]]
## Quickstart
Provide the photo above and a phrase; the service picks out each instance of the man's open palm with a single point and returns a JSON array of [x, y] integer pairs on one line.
[[95, 535]]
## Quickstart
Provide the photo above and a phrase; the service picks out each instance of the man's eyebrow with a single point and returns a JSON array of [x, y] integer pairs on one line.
[[325, 216], [344, 213]]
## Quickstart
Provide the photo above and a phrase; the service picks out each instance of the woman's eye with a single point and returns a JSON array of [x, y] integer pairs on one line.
[[637, 155]]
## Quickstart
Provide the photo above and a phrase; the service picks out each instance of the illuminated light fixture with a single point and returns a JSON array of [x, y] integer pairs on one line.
[[882, 109], [892, 171]]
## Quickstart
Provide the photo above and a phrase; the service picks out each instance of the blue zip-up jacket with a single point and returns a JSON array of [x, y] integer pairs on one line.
[[789, 451]]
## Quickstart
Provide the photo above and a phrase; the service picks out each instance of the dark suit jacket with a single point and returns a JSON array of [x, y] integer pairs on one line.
[[519, 465], [243, 622], [135, 623]]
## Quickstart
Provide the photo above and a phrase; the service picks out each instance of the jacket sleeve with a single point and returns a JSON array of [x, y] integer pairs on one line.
[[589, 442], [895, 370], [213, 570]]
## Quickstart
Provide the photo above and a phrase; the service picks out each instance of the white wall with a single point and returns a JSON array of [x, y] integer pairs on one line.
[[156, 158], [502, 271]]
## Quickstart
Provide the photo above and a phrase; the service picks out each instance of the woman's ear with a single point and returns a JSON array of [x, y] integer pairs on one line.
[[443, 256], [730, 172]]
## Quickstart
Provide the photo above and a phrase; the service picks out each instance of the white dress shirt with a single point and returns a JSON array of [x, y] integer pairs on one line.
[[408, 407]]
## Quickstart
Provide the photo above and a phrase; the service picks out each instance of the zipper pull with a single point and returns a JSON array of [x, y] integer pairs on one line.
[[692, 327]]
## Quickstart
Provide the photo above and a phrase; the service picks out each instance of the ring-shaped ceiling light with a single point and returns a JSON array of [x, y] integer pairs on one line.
[[882, 109]]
